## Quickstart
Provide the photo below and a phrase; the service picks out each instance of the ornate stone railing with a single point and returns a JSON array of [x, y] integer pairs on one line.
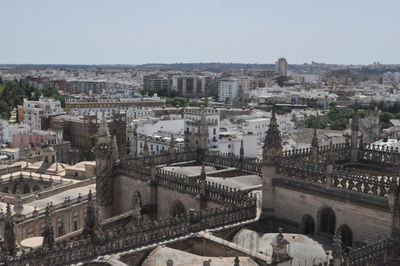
[[380, 154], [381, 251], [12, 177], [185, 184], [135, 236], [166, 157], [230, 160], [339, 178], [339, 151], [371, 184], [67, 202]]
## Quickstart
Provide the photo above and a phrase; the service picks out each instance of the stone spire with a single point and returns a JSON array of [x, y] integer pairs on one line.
[[203, 178], [48, 233], [115, 154], [203, 135], [337, 248], [241, 150], [314, 146], [103, 131], [105, 161], [272, 148], [9, 234], [354, 135], [145, 148], [18, 206], [172, 144]]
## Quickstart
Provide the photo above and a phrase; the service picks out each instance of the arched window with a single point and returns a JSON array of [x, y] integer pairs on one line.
[[307, 225], [327, 221], [346, 236], [177, 209], [27, 189]]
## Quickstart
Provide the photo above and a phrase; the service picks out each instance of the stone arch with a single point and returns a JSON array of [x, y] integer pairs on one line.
[[177, 209], [14, 190], [346, 236], [327, 221], [36, 188], [307, 225], [26, 188]]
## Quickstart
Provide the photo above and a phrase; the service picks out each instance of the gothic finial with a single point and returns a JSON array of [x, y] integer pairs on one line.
[[337, 247], [272, 142], [203, 172], [103, 132], [241, 149], [314, 141], [354, 121], [145, 148], [172, 144], [8, 212]]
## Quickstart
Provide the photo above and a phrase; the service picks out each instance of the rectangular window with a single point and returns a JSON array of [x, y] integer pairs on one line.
[[75, 225]]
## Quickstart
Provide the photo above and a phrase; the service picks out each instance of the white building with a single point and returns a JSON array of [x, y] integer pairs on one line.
[[158, 144], [281, 67], [133, 113], [192, 117], [230, 142], [9, 155], [34, 111], [227, 89], [7, 131]]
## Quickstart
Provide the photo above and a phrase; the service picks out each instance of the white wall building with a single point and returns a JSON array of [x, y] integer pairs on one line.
[[34, 111], [230, 142], [192, 117], [227, 89]]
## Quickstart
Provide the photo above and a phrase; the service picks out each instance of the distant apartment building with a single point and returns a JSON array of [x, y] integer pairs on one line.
[[85, 86], [35, 111], [157, 84], [281, 67], [190, 85], [228, 88]]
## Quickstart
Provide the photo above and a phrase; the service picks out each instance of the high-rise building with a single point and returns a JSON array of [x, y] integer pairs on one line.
[[281, 67]]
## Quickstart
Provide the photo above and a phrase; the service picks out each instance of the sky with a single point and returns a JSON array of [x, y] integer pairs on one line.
[[191, 31]]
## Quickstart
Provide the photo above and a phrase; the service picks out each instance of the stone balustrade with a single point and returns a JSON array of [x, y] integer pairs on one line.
[[377, 253], [134, 236]]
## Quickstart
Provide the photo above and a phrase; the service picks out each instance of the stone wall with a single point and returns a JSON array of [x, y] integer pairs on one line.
[[366, 223]]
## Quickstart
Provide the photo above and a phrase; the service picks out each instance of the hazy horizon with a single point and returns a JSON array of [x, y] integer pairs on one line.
[[221, 31]]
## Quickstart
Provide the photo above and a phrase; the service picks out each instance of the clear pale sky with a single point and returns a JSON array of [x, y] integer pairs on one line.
[[242, 31]]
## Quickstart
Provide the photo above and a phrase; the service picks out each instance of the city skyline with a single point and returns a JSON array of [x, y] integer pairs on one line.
[[100, 32]]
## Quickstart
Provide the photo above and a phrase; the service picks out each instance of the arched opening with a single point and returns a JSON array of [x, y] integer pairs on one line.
[[308, 225], [346, 236], [53, 160], [327, 221], [27, 188], [46, 159], [36, 188], [177, 209], [6, 190], [14, 190]]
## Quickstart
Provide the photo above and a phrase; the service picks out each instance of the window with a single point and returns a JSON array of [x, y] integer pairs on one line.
[[215, 131], [75, 225]]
